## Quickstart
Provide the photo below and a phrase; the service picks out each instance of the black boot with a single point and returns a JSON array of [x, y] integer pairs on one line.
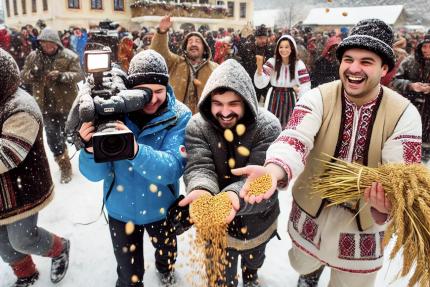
[[60, 264], [250, 278], [26, 281], [311, 279]]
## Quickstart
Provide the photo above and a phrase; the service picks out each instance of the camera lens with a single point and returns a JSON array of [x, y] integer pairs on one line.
[[113, 145]]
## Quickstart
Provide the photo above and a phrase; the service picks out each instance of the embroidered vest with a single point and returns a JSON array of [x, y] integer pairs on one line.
[[390, 109]]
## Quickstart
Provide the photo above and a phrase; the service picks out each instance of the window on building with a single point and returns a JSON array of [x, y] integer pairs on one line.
[[73, 4], [96, 4], [7, 8], [242, 10], [33, 6], [230, 8], [45, 5], [15, 8], [220, 3], [118, 5], [24, 7], [204, 1]]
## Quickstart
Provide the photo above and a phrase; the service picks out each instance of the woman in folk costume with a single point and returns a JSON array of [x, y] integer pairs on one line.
[[288, 76]]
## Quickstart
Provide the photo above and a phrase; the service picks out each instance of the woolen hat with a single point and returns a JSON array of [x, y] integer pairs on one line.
[[373, 35], [10, 75], [148, 67], [261, 30]]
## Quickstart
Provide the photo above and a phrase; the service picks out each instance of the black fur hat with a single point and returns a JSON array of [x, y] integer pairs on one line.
[[373, 35]]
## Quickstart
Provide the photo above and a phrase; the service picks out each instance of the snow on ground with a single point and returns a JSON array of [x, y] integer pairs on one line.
[[92, 262]]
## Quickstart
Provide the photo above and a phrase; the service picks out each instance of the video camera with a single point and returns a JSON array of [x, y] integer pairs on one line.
[[106, 35], [105, 106]]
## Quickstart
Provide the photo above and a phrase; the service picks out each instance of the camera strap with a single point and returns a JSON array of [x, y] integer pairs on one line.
[[103, 205]]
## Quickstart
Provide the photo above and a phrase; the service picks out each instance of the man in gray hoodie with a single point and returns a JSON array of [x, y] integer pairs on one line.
[[229, 100]]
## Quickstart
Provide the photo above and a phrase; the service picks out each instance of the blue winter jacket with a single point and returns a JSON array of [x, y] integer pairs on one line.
[[147, 185]]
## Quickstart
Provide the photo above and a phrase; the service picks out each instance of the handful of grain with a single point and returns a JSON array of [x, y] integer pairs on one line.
[[408, 188], [260, 185], [209, 214]]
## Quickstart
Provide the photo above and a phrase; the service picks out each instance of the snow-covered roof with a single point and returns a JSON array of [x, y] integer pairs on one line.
[[349, 16]]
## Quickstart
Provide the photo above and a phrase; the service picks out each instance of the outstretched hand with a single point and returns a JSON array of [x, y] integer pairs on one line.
[[252, 172], [192, 196]]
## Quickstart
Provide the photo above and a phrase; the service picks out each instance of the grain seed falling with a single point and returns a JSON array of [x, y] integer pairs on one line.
[[228, 135], [240, 129], [260, 185], [344, 14], [327, 10], [129, 228], [209, 214], [243, 151], [231, 163], [153, 188], [120, 188], [132, 248], [134, 279]]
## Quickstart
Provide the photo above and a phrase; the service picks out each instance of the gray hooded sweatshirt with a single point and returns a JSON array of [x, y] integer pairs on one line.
[[208, 154]]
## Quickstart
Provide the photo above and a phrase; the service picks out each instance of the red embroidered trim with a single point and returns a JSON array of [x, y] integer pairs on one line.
[[282, 164], [296, 118], [411, 151], [335, 267], [302, 72], [305, 79]]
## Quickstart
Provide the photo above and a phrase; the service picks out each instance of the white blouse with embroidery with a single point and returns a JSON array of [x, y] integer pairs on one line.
[[301, 79]]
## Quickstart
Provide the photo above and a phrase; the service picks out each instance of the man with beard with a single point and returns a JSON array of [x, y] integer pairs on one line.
[[248, 51], [413, 81], [229, 103], [189, 71], [356, 120], [54, 71]]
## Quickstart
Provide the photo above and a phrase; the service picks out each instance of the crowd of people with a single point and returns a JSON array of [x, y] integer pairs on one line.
[[357, 95]]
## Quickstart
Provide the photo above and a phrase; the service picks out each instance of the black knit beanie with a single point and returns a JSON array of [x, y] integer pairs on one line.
[[261, 31], [147, 67], [373, 35]]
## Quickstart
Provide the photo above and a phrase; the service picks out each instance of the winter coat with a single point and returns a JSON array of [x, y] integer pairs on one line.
[[326, 69], [147, 185], [25, 180], [181, 74], [4, 39], [208, 152], [53, 96], [20, 47], [415, 69]]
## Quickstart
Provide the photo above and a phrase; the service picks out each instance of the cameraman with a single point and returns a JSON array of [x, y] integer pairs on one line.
[[145, 186], [54, 72]]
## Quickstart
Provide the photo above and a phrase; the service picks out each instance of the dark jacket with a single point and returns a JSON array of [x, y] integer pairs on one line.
[[414, 69], [247, 52], [208, 152]]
